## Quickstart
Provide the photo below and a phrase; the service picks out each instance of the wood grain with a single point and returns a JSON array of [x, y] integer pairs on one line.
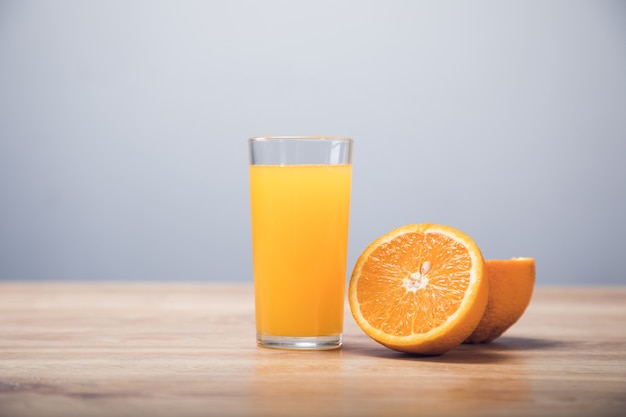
[[79, 349]]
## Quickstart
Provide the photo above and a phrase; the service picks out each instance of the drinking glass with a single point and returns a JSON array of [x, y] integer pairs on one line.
[[300, 205]]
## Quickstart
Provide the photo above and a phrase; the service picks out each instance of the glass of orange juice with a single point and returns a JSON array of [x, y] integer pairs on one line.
[[300, 205]]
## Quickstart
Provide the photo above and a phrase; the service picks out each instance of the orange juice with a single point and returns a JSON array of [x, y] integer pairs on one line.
[[299, 240]]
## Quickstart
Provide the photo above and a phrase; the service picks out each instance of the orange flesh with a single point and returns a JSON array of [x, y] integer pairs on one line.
[[413, 283]]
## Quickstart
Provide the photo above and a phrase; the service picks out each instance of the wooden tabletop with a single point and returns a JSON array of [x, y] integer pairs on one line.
[[80, 349]]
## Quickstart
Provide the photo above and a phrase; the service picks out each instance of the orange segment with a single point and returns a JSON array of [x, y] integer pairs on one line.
[[419, 289], [511, 285]]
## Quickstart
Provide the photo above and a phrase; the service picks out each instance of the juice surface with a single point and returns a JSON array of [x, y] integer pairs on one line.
[[299, 240]]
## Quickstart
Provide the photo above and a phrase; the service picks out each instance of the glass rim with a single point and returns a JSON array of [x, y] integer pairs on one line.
[[299, 138]]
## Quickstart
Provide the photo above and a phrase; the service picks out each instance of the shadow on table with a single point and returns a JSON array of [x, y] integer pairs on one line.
[[500, 350], [512, 343]]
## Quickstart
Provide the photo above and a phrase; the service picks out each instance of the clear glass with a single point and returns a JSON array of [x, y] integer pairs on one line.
[[300, 205]]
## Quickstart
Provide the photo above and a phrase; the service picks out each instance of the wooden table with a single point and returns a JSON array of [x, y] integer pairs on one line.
[[80, 349]]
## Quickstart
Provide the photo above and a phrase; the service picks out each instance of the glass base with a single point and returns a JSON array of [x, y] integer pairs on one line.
[[299, 343]]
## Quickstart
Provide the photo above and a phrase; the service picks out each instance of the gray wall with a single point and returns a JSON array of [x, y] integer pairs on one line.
[[123, 128]]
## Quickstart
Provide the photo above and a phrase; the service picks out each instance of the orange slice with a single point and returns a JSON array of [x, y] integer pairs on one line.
[[419, 289], [511, 285]]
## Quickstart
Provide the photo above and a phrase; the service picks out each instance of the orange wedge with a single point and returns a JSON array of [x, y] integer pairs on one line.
[[419, 289], [511, 285]]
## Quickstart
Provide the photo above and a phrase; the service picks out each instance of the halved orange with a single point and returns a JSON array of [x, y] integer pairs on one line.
[[420, 289], [511, 283]]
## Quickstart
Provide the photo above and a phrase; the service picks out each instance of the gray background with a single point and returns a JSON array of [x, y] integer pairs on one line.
[[123, 128]]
